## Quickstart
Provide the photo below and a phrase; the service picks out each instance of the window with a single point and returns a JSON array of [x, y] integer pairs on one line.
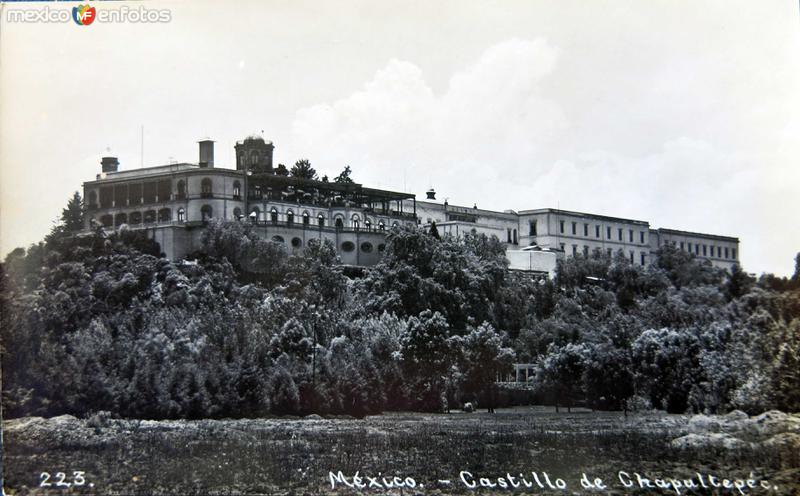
[[609, 252], [368, 225], [237, 190], [561, 245], [514, 235], [206, 213], [619, 233], [366, 247], [574, 250], [339, 223], [561, 224], [532, 228], [277, 239], [381, 226], [273, 215], [726, 252], [121, 219], [356, 222], [305, 218], [508, 234], [107, 220], [92, 199], [297, 242], [608, 232], [682, 246], [255, 214], [631, 252], [149, 216], [596, 231], [630, 239], [641, 237], [574, 228], [348, 246], [257, 193], [585, 251], [704, 250], [586, 230], [697, 249], [206, 188], [644, 260], [181, 215], [381, 247], [289, 217], [164, 215], [733, 253], [689, 247], [321, 220]]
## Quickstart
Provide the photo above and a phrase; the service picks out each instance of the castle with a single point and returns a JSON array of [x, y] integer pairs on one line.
[[173, 203]]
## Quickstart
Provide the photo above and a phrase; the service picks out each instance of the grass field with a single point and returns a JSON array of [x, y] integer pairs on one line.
[[296, 456]]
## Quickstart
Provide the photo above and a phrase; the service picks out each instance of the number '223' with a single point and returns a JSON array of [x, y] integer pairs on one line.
[[60, 479]]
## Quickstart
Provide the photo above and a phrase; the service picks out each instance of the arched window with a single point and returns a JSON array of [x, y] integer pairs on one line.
[[297, 242], [273, 215], [290, 217], [321, 220], [164, 215], [92, 199], [339, 222], [367, 224], [237, 190], [135, 218], [355, 221], [381, 226], [181, 215], [206, 189], [107, 220], [305, 218], [181, 190], [149, 216], [121, 219], [395, 225], [206, 212], [515, 237], [254, 157], [257, 194], [255, 214], [237, 213]]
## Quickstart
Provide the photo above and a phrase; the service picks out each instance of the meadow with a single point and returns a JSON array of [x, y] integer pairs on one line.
[[291, 455]]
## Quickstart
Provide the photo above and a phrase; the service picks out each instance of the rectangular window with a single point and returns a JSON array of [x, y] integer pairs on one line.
[[689, 247], [532, 228], [609, 252], [711, 248], [574, 250], [727, 253], [619, 233], [596, 231], [608, 232], [704, 250], [733, 253], [682, 246], [561, 226], [643, 258], [586, 229], [631, 256], [574, 228], [641, 236], [697, 249], [585, 251], [561, 245]]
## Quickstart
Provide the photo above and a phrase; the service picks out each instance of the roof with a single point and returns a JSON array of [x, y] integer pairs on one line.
[[606, 218], [696, 234]]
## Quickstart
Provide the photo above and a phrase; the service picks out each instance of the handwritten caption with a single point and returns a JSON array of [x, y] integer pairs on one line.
[[542, 480]]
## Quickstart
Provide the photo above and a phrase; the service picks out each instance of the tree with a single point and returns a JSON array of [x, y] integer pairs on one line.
[[72, 215], [434, 231], [485, 358], [344, 177], [738, 282], [281, 170], [303, 170]]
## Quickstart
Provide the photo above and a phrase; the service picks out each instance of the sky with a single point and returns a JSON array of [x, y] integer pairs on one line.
[[685, 114]]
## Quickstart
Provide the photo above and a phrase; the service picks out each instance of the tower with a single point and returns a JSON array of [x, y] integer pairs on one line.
[[254, 154]]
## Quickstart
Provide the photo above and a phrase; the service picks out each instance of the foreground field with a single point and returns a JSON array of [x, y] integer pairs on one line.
[[760, 455]]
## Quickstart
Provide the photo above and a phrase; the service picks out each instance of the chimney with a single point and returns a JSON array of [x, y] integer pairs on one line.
[[431, 194], [206, 152], [109, 164]]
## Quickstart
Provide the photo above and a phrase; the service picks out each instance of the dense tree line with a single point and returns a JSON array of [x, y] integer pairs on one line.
[[92, 321]]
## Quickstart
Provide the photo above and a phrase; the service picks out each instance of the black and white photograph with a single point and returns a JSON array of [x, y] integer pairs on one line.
[[410, 248]]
